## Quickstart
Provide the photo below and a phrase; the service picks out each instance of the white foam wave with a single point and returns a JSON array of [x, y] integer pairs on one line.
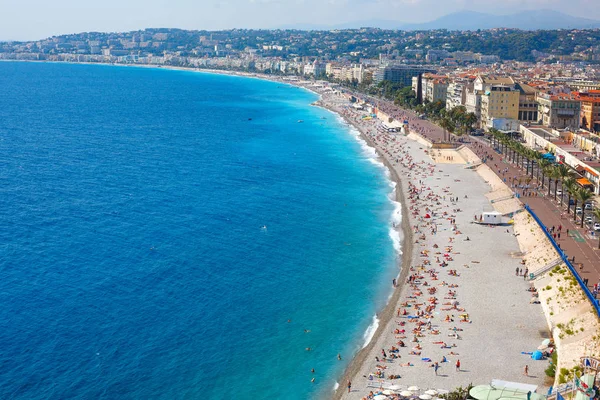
[[336, 386], [372, 156], [370, 332]]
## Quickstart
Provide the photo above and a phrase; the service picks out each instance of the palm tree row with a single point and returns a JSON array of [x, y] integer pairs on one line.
[[546, 172]]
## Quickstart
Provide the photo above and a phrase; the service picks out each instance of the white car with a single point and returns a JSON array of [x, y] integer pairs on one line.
[[597, 226], [559, 192], [578, 210], [588, 206], [589, 219]]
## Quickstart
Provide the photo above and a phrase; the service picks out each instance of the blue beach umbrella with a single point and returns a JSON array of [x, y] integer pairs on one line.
[[537, 355]]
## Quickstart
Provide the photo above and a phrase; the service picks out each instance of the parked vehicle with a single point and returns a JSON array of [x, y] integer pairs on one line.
[[578, 211], [597, 226]]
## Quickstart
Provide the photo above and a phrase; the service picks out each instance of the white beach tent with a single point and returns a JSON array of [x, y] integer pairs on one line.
[[491, 218]]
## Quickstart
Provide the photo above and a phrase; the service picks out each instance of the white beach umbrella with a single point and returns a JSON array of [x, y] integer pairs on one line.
[[431, 392], [414, 388], [425, 397], [387, 392], [395, 387], [406, 393], [380, 397]]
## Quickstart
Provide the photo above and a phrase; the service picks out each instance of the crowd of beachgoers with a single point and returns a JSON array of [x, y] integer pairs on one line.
[[445, 325]]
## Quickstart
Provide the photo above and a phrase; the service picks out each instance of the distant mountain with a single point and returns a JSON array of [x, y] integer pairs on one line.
[[526, 20], [472, 20]]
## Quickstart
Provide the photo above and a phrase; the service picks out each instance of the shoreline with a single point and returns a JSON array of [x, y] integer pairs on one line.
[[386, 314]]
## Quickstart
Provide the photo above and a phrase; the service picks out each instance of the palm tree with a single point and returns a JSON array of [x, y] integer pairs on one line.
[[583, 195], [536, 156], [570, 186], [552, 175], [596, 214], [543, 167], [447, 125], [563, 173], [470, 120]]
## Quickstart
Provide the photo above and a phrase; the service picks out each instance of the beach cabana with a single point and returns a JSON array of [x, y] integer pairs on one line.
[[491, 218]]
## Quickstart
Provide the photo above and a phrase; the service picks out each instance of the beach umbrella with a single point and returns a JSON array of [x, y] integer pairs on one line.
[[545, 342], [380, 397], [431, 392], [425, 397], [406, 393], [542, 347], [413, 388], [387, 392], [395, 387], [537, 355]]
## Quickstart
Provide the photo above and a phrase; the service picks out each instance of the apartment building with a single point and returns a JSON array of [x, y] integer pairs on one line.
[[590, 110], [528, 106], [559, 111]]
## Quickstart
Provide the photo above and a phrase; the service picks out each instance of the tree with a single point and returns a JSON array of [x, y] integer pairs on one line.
[[447, 125], [542, 168], [569, 185], [552, 174], [583, 195], [470, 120], [563, 173]]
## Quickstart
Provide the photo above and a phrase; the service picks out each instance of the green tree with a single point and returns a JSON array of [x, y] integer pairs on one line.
[[569, 185], [583, 195], [447, 125]]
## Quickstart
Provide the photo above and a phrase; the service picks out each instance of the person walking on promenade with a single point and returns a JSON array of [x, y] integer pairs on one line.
[[517, 271], [457, 365], [525, 274]]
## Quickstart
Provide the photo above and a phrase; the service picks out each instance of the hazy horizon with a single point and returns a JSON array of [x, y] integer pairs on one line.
[[37, 19]]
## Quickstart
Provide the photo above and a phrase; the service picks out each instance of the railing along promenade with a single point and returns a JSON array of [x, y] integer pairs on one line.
[[565, 259]]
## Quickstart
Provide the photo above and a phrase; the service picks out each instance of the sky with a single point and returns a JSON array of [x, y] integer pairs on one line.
[[38, 19]]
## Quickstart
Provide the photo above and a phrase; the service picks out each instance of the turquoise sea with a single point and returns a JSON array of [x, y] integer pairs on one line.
[[159, 228]]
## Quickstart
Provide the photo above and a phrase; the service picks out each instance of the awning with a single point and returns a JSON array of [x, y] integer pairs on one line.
[[584, 182], [591, 171]]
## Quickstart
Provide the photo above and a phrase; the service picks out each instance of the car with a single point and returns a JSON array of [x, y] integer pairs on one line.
[[572, 202], [559, 192], [578, 210], [589, 219], [588, 206], [597, 226]]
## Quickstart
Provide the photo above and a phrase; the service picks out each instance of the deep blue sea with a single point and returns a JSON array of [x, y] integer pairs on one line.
[[159, 228]]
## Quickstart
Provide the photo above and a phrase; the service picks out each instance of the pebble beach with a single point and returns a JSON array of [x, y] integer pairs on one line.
[[460, 301]]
